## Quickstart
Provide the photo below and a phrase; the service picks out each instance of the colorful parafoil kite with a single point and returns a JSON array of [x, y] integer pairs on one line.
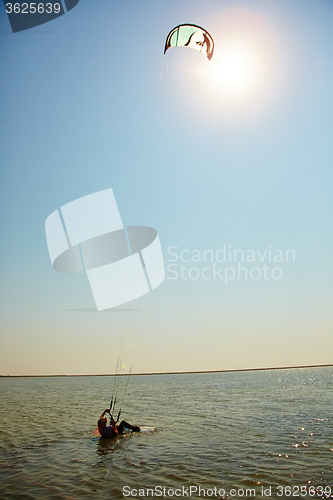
[[190, 35]]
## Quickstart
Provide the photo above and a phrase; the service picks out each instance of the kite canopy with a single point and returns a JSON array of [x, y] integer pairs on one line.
[[190, 35]]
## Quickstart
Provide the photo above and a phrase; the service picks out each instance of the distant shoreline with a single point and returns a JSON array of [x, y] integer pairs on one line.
[[170, 373]]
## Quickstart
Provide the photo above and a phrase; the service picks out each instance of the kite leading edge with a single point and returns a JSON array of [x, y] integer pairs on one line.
[[190, 35]]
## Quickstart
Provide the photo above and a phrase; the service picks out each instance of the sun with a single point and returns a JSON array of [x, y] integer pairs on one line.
[[246, 73], [237, 68], [235, 71]]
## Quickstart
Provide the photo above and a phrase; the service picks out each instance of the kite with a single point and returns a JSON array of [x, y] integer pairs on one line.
[[190, 35]]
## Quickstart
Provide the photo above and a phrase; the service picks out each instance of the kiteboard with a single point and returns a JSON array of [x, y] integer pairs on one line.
[[143, 430]]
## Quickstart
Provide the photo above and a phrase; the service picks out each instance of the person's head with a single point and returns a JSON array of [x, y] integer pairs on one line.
[[102, 422]]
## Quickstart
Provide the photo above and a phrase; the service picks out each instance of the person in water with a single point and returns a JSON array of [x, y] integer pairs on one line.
[[113, 430]]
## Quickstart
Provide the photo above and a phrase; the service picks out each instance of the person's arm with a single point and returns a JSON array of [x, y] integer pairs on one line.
[[105, 411], [114, 425]]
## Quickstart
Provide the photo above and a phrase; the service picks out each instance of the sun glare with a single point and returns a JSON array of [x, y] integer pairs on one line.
[[235, 71], [245, 72]]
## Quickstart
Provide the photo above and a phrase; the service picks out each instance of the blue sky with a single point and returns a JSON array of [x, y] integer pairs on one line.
[[89, 102]]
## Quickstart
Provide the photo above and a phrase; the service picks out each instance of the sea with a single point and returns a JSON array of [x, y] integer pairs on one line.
[[247, 434]]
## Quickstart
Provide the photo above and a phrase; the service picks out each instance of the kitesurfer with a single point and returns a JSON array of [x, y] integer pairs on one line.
[[113, 430]]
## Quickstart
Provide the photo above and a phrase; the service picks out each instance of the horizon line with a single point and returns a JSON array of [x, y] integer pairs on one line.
[[171, 373]]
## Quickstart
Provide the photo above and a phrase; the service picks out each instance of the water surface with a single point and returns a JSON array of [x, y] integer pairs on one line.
[[230, 431]]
